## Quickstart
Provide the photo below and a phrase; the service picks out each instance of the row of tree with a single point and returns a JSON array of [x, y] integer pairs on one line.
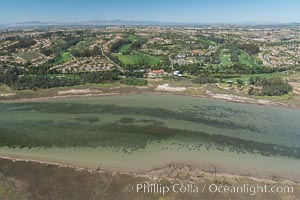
[[204, 79], [20, 79], [251, 49], [96, 51], [44, 82], [135, 81], [101, 77]]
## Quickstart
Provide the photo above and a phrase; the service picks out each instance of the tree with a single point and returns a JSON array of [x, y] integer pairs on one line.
[[251, 49], [11, 75], [274, 86], [101, 77], [204, 80], [240, 82]]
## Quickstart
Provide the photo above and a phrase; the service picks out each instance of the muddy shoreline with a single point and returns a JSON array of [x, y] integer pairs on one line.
[[224, 97], [159, 172]]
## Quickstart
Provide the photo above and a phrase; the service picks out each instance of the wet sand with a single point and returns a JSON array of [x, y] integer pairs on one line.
[[153, 157]]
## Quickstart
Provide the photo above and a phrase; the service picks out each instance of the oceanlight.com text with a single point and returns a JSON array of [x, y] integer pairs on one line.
[[252, 190]]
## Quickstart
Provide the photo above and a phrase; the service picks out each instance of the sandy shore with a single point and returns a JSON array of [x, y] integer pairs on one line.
[[209, 94]]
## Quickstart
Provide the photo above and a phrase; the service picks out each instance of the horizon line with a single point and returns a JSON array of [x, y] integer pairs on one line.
[[148, 21]]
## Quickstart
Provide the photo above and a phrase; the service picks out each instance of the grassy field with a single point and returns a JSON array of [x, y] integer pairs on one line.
[[225, 57], [132, 37], [246, 77], [80, 46], [64, 57], [139, 58], [136, 57], [124, 48], [246, 60]]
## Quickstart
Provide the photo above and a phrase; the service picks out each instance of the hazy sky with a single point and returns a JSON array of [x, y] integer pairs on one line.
[[199, 11]]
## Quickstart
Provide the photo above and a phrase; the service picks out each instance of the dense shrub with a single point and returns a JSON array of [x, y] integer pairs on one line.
[[204, 80], [135, 81], [33, 82], [101, 77], [118, 44], [271, 86]]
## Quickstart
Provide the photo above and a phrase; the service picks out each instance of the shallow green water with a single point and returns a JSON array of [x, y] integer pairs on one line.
[[144, 124]]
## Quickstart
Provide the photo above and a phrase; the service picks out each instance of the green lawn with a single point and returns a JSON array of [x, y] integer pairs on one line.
[[64, 57], [140, 58], [247, 60], [125, 48], [225, 57], [246, 77], [132, 37], [80, 46]]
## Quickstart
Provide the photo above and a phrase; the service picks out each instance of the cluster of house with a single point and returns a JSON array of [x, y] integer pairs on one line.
[[159, 40], [161, 73], [156, 73], [85, 65]]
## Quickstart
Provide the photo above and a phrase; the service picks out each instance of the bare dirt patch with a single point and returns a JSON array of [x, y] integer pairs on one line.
[[78, 91], [7, 94], [167, 88]]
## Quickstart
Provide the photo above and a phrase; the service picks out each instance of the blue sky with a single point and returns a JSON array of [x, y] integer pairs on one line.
[[197, 11]]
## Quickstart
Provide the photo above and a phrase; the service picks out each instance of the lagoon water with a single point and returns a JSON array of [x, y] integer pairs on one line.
[[265, 128]]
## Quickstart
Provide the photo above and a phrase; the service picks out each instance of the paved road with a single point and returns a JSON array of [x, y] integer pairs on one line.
[[118, 66], [171, 62]]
